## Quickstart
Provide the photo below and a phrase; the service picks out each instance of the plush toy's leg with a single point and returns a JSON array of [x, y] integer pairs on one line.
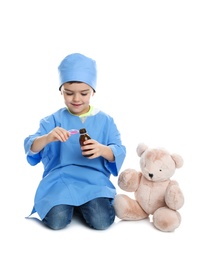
[[128, 209], [166, 219]]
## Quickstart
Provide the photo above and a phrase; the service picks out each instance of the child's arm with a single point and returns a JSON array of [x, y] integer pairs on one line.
[[57, 134]]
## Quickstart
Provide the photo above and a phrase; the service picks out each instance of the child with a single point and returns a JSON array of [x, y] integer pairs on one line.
[[73, 183]]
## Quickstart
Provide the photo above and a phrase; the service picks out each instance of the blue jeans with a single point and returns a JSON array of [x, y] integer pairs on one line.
[[98, 214]]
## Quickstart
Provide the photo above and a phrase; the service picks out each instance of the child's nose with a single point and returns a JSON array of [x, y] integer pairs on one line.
[[76, 97]]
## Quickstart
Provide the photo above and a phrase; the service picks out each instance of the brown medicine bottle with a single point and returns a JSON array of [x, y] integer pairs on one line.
[[83, 137]]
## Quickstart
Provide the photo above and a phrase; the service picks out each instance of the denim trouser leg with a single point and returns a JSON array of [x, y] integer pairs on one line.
[[98, 213], [59, 216]]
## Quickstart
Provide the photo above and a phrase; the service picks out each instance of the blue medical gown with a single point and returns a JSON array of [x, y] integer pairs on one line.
[[69, 177]]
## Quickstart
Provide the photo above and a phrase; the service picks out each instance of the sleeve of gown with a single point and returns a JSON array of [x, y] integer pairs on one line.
[[32, 158], [46, 125], [118, 149], [119, 153]]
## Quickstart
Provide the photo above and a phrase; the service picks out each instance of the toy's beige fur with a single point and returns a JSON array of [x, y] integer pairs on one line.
[[154, 192]]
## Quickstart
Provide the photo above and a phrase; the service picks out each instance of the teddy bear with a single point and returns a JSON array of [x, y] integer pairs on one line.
[[154, 194]]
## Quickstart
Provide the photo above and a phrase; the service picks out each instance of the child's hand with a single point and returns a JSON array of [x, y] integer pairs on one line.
[[58, 134], [97, 149], [90, 147]]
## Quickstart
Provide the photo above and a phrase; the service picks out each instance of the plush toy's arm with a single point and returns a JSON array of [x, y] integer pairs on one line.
[[174, 196], [129, 180]]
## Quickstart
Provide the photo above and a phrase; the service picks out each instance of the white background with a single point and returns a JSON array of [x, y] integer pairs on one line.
[[155, 64]]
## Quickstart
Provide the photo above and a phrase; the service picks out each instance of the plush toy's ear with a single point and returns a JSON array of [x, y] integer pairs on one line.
[[141, 148], [178, 160]]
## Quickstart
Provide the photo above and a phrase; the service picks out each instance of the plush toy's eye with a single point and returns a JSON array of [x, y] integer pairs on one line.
[[160, 170]]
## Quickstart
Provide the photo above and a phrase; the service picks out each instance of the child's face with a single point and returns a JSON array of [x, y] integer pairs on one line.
[[77, 97]]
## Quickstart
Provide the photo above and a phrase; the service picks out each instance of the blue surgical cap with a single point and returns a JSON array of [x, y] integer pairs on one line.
[[77, 67]]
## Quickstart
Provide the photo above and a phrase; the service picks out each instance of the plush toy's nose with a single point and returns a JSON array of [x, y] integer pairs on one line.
[[151, 175]]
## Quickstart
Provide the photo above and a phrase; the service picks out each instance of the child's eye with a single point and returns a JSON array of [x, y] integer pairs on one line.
[[67, 93], [84, 94]]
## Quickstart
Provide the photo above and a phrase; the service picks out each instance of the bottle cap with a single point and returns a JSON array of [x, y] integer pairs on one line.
[[82, 131]]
